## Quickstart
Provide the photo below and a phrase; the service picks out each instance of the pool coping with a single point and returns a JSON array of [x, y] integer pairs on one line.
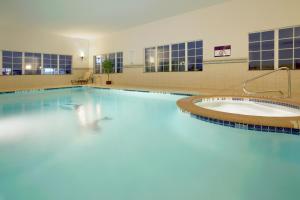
[[96, 87], [288, 125], [38, 89]]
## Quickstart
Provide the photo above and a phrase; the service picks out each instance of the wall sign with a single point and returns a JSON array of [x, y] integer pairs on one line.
[[223, 51]]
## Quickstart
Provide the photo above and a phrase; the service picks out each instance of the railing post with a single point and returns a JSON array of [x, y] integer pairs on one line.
[[289, 84], [289, 95]]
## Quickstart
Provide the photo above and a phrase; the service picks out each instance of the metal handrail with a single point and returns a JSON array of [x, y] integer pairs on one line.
[[270, 91]]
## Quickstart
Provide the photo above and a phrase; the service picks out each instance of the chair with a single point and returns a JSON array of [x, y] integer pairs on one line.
[[88, 76]]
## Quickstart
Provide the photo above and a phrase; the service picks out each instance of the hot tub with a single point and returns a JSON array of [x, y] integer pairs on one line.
[[251, 113], [246, 106]]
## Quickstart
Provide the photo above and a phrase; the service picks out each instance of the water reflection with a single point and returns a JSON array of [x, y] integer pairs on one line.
[[89, 116]]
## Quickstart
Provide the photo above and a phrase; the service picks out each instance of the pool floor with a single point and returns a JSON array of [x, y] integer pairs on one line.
[[93, 144]]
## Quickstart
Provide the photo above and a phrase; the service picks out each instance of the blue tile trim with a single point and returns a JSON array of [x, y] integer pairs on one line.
[[135, 90], [146, 91], [38, 90], [99, 88], [8, 92], [251, 127], [61, 88], [180, 94]]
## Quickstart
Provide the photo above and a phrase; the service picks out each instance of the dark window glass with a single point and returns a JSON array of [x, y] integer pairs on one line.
[[7, 53], [286, 44], [268, 55], [286, 54], [195, 58], [182, 46], [199, 52], [12, 63], [50, 64], [254, 37], [297, 42], [286, 63], [297, 32], [175, 54], [268, 45], [255, 46], [297, 53], [297, 64], [254, 56], [261, 48], [17, 54], [178, 57], [64, 66], [199, 44], [7, 59], [175, 47], [267, 65], [268, 35], [254, 65], [286, 33], [191, 45], [181, 53]]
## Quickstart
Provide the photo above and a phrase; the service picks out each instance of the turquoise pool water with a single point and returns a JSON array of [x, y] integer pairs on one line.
[[93, 144]]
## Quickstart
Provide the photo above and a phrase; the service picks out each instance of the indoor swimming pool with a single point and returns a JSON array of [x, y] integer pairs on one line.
[[88, 143]]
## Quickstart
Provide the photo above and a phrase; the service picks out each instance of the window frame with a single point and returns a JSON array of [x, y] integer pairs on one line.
[[12, 62], [118, 67], [51, 64], [42, 67], [261, 51], [294, 59], [36, 66], [156, 59]]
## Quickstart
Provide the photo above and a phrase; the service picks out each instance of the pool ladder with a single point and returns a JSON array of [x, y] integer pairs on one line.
[[289, 83]]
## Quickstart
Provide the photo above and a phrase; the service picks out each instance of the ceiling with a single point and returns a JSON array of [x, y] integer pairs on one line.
[[90, 18]]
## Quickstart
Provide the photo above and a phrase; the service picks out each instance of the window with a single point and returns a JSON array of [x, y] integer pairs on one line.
[[65, 64], [178, 57], [150, 59], [50, 64], [195, 56], [115, 58], [261, 50], [12, 63], [163, 58], [97, 64], [103, 57], [289, 47], [33, 63], [112, 58], [119, 62]]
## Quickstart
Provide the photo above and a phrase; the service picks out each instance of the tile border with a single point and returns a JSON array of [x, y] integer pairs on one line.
[[286, 125]]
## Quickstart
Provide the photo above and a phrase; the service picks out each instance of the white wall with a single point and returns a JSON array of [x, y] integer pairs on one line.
[[41, 42], [222, 24]]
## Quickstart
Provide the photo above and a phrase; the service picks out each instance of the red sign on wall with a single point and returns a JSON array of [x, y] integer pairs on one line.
[[223, 51]]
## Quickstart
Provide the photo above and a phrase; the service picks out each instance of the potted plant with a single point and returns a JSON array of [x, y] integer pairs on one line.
[[107, 66]]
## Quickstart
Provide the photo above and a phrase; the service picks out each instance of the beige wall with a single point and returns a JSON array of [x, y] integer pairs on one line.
[[223, 24], [41, 42]]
